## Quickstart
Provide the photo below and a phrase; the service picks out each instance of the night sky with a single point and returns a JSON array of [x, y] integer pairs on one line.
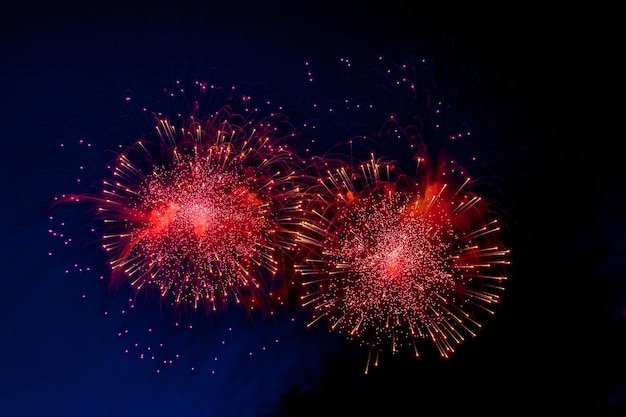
[[556, 343]]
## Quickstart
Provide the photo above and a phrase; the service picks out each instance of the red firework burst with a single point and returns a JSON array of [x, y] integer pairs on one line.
[[201, 209], [398, 259]]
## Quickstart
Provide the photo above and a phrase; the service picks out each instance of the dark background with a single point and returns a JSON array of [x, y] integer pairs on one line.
[[557, 343]]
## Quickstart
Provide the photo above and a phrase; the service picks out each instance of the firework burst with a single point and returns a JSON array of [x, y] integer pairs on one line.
[[398, 258], [200, 208], [401, 260]]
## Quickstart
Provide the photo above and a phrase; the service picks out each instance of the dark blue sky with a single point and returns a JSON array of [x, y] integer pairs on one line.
[[556, 344]]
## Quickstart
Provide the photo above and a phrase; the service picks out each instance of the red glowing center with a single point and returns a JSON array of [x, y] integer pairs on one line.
[[394, 264]]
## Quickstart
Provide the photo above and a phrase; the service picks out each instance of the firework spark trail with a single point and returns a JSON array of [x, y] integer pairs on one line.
[[403, 248], [201, 209]]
